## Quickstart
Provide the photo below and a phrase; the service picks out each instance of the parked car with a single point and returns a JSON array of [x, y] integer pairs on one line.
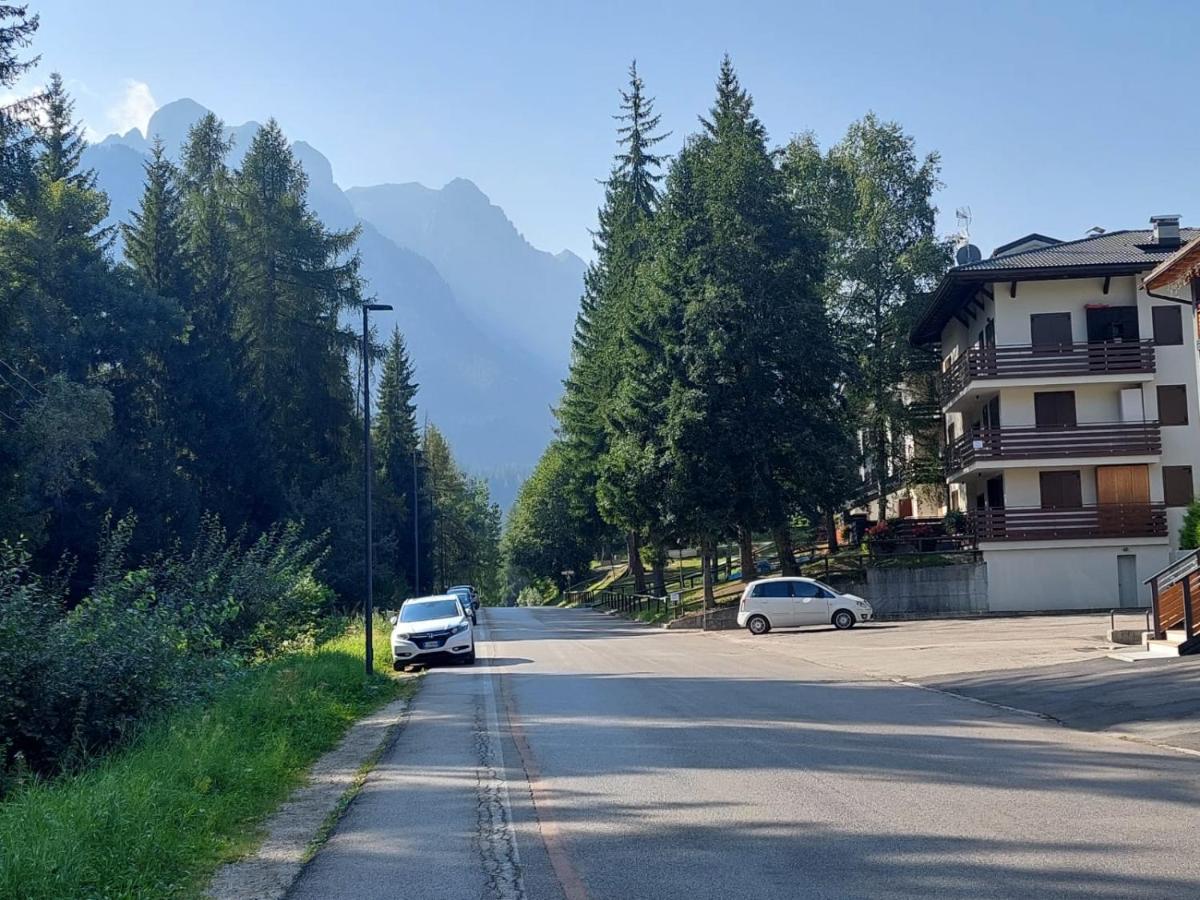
[[431, 629], [790, 602], [470, 600]]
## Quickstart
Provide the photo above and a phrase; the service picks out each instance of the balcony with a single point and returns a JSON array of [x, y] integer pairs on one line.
[[1063, 361], [1094, 440], [1031, 523]]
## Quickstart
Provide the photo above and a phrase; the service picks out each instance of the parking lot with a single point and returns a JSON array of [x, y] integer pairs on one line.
[[919, 650]]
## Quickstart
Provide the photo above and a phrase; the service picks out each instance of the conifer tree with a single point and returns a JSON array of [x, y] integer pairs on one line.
[[738, 272], [599, 360], [62, 139], [154, 237], [17, 140]]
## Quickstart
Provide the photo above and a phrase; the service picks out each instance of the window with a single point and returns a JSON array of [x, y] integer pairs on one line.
[[1177, 485], [1061, 490], [806, 589], [1050, 331], [1168, 325], [773, 589], [1054, 409], [1172, 404]]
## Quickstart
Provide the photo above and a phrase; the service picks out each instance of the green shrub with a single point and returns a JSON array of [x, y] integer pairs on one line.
[[1189, 535], [75, 682]]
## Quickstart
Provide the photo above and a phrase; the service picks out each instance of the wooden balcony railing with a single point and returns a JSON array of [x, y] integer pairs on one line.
[[1175, 596], [1109, 520], [1065, 360], [1054, 442]]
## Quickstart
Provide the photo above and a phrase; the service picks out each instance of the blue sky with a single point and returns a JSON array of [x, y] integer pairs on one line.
[[1049, 117]]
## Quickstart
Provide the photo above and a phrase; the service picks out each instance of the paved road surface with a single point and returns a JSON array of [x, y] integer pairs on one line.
[[585, 757]]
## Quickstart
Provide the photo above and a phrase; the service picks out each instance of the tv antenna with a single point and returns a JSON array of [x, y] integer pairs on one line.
[[963, 217]]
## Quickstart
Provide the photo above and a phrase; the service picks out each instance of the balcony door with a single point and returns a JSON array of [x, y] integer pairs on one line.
[[1112, 323], [1123, 484], [1050, 332], [1123, 493], [1054, 409], [1061, 490]]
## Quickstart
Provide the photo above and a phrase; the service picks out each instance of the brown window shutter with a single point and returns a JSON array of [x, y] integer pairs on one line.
[[1061, 490], [1177, 485], [1168, 325], [1049, 331], [1054, 408], [1172, 404]]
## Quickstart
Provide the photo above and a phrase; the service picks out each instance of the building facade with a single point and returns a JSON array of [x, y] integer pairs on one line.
[[1071, 398]]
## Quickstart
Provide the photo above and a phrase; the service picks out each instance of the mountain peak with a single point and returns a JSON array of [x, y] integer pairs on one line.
[[171, 121]]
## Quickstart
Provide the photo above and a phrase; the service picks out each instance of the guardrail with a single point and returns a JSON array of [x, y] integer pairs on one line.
[[1046, 361]]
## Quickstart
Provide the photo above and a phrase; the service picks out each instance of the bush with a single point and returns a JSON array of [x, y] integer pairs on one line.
[[75, 682], [1189, 535]]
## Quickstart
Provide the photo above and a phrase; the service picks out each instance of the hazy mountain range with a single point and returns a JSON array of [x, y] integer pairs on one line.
[[487, 316]]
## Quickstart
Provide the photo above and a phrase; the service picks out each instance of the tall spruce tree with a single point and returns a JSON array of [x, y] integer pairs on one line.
[[62, 139], [599, 361], [17, 139], [397, 442], [739, 270], [155, 241]]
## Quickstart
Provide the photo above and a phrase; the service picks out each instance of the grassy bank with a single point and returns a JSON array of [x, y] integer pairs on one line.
[[156, 819]]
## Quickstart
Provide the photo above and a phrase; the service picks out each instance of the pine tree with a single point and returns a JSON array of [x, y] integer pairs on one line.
[[17, 140], [599, 359], [397, 443], [62, 139], [154, 238], [738, 273]]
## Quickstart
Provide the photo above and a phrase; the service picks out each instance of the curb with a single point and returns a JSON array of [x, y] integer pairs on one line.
[[296, 830]]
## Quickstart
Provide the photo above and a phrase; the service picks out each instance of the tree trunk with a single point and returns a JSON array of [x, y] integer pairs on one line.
[[658, 568], [634, 545], [660, 577], [746, 548], [881, 455], [787, 553], [831, 531], [708, 556]]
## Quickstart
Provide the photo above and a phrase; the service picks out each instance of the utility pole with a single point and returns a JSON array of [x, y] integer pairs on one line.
[[369, 605]]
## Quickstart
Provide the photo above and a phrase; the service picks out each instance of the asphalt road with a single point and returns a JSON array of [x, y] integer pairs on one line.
[[584, 757]]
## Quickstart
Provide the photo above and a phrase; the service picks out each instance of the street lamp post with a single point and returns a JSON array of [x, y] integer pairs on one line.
[[416, 528], [369, 606]]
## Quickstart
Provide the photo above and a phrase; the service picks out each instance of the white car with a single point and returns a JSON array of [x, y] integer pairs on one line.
[[430, 629], [789, 602]]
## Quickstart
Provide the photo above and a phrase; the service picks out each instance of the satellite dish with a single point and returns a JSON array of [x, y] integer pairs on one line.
[[967, 253]]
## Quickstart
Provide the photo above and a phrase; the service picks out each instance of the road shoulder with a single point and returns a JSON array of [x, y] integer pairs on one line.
[[297, 828]]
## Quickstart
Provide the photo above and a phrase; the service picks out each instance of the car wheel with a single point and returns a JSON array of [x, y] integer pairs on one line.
[[398, 666], [469, 659], [758, 625], [843, 619]]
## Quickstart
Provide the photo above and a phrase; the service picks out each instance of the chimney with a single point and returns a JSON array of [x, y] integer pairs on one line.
[[1166, 230]]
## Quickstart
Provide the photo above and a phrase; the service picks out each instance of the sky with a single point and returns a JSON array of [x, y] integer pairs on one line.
[[1049, 117]]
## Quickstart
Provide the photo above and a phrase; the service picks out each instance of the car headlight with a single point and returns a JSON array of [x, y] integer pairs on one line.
[[863, 604], [399, 636], [459, 628]]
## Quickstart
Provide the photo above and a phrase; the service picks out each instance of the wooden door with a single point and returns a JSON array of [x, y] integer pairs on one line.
[[1123, 484]]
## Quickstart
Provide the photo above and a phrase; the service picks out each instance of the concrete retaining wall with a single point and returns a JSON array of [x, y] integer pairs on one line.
[[930, 591]]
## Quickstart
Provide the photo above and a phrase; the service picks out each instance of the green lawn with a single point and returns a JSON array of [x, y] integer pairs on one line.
[[157, 818]]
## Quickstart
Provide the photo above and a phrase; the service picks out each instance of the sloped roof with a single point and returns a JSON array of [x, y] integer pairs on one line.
[[1182, 265], [1112, 253]]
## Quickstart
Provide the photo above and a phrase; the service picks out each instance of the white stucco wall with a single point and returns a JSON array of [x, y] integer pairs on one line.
[[1027, 577]]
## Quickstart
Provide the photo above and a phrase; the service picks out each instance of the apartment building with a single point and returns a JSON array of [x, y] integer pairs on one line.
[[1071, 400]]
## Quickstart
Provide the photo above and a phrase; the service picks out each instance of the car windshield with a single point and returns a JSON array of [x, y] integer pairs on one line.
[[429, 609]]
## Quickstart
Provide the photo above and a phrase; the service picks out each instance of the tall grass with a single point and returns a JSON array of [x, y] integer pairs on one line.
[[155, 819]]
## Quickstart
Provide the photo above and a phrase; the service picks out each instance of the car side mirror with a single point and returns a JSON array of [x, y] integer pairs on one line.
[[394, 619]]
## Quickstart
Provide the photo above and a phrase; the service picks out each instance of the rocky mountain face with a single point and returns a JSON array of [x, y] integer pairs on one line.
[[487, 316]]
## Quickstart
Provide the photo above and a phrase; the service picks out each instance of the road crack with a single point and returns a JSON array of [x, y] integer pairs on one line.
[[495, 838]]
